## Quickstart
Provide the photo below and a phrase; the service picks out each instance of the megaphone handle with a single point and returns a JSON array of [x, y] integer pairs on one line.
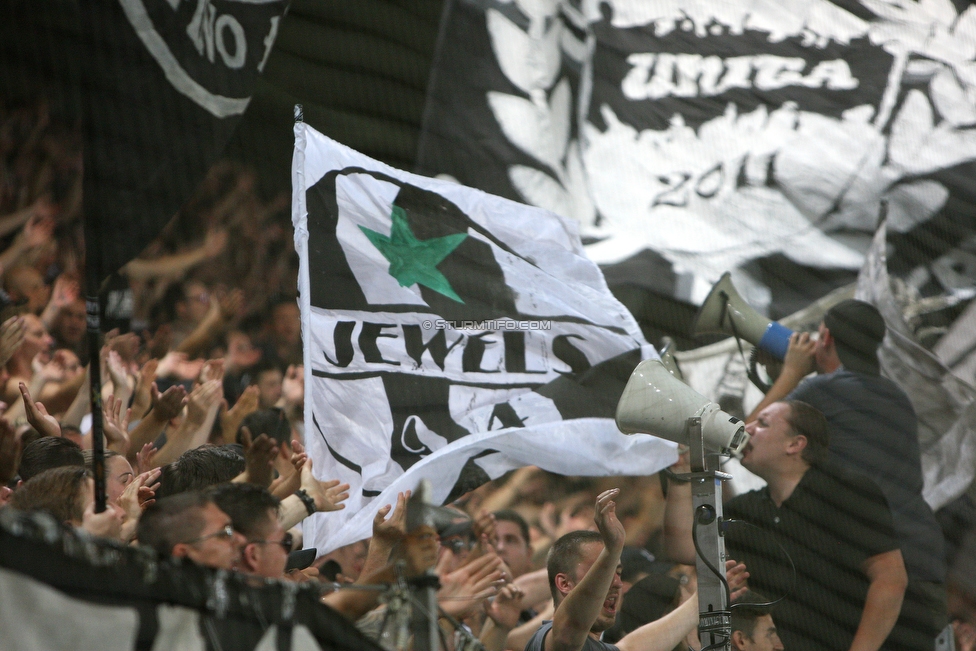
[[753, 373]]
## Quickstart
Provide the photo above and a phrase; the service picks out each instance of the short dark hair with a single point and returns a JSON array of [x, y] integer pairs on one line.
[[858, 329], [49, 452], [200, 468], [566, 554], [89, 456], [809, 421], [172, 520], [508, 515], [56, 490], [272, 422], [747, 609], [247, 505]]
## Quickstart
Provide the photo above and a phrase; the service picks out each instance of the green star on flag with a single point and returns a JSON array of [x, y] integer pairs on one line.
[[414, 261]]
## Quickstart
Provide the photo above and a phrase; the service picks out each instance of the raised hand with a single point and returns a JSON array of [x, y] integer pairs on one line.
[[505, 607], [463, 590], [167, 365], [202, 399], [140, 493], [116, 425], [107, 524], [176, 364], [144, 458], [126, 345], [11, 337], [230, 420], [606, 520], [484, 527], [37, 415], [801, 354], [213, 369], [328, 495], [392, 530], [117, 370], [170, 403], [299, 456], [259, 456], [142, 395], [737, 575]]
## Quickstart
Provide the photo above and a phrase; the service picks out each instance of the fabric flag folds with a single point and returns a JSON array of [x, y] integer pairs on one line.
[[164, 85], [449, 335], [945, 404], [692, 138]]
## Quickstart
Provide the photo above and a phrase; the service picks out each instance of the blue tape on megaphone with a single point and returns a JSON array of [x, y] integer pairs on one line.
[[776, 340]]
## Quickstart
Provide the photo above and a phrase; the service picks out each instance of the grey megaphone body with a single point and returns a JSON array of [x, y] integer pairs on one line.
[[654, 402], [726, 312]]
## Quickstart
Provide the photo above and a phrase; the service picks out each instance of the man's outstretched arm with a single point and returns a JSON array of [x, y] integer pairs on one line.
[[665, 633], [575, 615]]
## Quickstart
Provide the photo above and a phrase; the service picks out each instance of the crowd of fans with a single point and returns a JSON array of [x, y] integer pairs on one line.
[[203, 398]]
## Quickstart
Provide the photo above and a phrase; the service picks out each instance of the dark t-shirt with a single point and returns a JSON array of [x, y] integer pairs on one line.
[[832, 522], [873, 430], [537, 641]]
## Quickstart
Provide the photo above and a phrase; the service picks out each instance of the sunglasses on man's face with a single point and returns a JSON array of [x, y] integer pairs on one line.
[[285, 542]]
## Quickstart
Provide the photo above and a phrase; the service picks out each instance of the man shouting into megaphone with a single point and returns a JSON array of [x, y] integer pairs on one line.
[[873, 430]]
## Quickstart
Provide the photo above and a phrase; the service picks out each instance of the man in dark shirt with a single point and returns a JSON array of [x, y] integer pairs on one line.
[[873, 430], [833, 524]]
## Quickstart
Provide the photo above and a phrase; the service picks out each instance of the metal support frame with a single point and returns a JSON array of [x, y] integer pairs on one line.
[[715, 618], [426, 634]]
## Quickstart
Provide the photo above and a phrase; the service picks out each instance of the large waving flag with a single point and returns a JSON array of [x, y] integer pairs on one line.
[[449, 334], [164, 85], [753, 136]]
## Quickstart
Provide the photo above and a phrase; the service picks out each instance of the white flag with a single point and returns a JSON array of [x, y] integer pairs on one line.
[[449, 335]]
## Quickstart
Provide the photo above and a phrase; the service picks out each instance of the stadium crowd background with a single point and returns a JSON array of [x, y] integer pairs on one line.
[[212, 322]]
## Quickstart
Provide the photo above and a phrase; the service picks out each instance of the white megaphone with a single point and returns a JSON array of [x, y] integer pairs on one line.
[[726, 312], [667, 358], [654, 402]]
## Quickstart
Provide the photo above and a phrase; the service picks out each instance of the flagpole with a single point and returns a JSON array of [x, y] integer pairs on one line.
[[93, 266], [93, 310]]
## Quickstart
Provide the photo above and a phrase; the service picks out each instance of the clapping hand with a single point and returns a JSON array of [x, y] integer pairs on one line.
[[606, 520], [505, 607], [328, 495], [259, 456], [37, 416]]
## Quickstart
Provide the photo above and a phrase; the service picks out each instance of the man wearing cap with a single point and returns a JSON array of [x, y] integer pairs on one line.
[[873, 430]]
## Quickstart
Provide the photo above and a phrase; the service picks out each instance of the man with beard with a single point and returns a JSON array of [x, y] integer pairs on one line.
[[584, 577]]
